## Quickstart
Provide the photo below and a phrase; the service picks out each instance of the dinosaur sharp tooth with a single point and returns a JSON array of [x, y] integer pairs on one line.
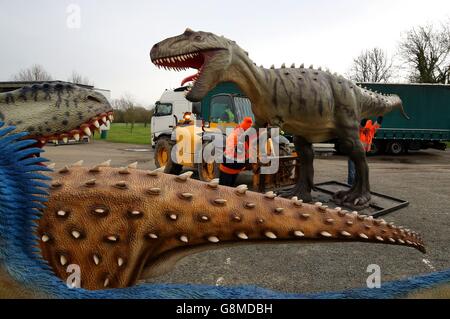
[[133, 165], [330, 221], [184, 177], [346, 234], [45, 238], [364, 236], [379, 238], [401, 241], [270, 235], [62, 260], [120, 261], [87, 131], [299, 233], [306, 216], [349, 223], [106, 283], [213, 239], [96, 259], [326, 234], [173, 217], [318, 204], [242, 236], [76, 136], [153, 236], [65, 140], [184, 239], [136, 213], [96, 124], [392, 240]]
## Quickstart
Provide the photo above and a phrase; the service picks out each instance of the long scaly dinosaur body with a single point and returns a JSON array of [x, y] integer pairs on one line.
[[121, 225], [312, 104]]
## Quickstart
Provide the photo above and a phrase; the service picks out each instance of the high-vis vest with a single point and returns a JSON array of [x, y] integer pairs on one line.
[[367, 133]]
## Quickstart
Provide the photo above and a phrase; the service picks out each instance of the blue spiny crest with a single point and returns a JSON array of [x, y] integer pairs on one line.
[[23, 192]]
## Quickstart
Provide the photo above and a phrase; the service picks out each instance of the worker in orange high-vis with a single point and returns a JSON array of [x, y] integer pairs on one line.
[[367, 132], [235, 155]]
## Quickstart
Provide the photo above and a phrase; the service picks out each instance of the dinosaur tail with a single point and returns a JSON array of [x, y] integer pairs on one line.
[[378, 105], [119, 223]]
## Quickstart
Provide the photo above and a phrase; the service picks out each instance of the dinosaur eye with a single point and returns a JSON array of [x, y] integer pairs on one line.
[[198, 38]]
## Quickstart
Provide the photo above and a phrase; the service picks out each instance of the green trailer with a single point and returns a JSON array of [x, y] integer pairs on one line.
[[428, 106]]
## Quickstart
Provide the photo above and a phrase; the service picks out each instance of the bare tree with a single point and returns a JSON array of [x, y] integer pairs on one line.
[[426, 50], [127, 107], [77, 78], [34, 73], [372, 65]]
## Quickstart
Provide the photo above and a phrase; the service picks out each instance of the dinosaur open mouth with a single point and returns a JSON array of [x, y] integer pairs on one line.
[[75, 134], [195, 60]]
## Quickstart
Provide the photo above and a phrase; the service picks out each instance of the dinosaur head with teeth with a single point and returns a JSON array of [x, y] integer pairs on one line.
[[206, 52]]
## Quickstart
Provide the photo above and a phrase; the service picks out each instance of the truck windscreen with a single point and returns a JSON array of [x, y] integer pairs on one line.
[[163, 109]]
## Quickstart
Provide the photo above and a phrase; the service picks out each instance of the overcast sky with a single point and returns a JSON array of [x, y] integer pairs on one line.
[[112, 43]]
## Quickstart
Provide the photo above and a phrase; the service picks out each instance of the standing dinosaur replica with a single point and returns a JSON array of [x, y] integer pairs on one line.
[[123, 225], [313, 105]]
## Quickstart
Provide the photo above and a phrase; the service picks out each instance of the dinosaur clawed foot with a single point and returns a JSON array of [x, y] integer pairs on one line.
[[297, 191], [353, 199]]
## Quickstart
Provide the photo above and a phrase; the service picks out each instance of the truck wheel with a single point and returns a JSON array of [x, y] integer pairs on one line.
[[396, 148], [162, 151], [208, 171]]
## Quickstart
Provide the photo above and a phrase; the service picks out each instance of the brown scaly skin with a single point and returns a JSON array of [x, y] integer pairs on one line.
[[314, 105], [122, 225], [55, 111]]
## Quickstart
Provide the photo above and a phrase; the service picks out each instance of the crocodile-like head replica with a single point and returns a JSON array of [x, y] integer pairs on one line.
[[54, 111], [312, 104]]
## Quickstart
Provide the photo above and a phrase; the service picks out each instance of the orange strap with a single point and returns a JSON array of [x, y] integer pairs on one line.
[[228, 170]]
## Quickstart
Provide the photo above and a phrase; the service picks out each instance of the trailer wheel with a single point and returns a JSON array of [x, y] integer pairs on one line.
[[396, 148]]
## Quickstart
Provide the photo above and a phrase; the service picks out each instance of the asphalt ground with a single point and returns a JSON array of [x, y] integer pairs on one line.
[[422, 178]]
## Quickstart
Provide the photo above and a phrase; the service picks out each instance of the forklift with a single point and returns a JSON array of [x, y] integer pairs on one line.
[[224, 107]]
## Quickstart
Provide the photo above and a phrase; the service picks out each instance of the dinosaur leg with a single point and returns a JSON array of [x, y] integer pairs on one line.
[[359, 195], [305, 181]]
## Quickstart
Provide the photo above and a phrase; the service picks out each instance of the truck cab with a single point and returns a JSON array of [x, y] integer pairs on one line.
[[168, 111]]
